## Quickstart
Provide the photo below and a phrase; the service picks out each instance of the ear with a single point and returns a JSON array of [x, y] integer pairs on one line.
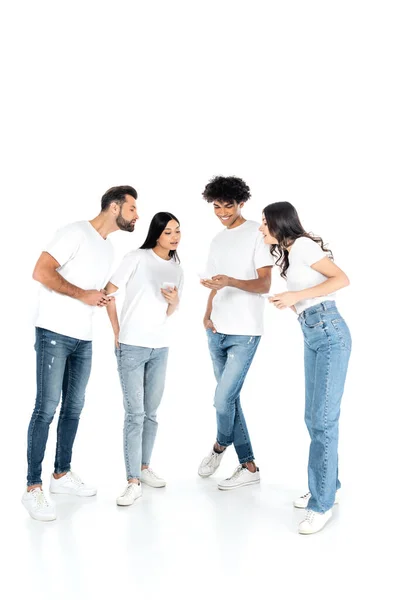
[[114, 207], [241, 205]]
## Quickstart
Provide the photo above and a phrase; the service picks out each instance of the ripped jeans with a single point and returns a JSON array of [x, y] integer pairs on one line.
[[142, 374], [62, 367], [232, 356]]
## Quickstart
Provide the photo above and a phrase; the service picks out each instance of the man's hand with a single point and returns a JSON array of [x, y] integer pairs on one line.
[[94, 298], [208, 324], [284, 300], [215, 283], [171, 295]]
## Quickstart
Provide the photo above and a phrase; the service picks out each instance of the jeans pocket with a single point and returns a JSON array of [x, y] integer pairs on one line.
[[342, 331], [313, 320]]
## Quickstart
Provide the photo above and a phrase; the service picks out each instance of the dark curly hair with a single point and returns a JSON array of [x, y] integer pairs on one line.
[[226, 189], [284, 224]]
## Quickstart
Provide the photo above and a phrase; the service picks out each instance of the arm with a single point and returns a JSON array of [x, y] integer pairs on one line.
[[112, 311], [261, 285], [172, 297], [336, 279], [46, 273], [208, 324]]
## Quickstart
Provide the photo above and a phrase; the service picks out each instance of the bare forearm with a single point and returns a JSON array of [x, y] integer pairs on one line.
[[171, 309], [261, 285], [112, 315], [56, 282], [209, 304], [331, 285]]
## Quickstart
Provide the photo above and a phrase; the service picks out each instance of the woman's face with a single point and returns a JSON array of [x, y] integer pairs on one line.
[[268, 238], [171, 236]]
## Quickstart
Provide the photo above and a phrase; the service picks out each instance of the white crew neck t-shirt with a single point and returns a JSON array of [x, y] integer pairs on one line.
[[85, 259], [300, 276], [238, 253], [144, 320]]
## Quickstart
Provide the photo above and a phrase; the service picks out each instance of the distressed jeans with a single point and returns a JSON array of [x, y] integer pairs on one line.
[[232, 356], [327, 348], [142, 374], [62, 368]]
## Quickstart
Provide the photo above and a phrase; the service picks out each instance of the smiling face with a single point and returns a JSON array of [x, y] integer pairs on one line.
[[171, 236], [268, 238], [229, 212]]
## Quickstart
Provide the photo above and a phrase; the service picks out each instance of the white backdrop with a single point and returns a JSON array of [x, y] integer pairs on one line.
[[301, 100]]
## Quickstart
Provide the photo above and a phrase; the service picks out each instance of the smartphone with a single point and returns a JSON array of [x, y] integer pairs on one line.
[[167, 285]]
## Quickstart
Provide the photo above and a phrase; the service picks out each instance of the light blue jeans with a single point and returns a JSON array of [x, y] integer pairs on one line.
[[142, 374], [232, 356], [327, 348]]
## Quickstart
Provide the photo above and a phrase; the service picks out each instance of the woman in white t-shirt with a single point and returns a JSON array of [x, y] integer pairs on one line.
[[152, 280], [312, 279]]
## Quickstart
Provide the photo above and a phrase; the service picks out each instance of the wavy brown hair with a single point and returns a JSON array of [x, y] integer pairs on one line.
[[284, 224]]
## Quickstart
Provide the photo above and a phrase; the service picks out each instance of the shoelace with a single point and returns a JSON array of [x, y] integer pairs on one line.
[[75, 478], [236, 473], [151, 473], [309, 516], [40, 499], [306, 496], [129, 489]]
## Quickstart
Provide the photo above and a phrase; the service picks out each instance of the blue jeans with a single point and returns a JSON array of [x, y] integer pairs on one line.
[[142, 374], [327, 347], [62, 367], [232, 356]]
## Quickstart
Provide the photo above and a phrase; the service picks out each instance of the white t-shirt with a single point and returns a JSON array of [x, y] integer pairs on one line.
[[85, 259], [144, 320], [238, 253], [300, 276]]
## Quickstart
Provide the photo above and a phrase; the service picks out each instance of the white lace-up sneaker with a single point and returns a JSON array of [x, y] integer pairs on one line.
[[132, 492], [210, 463], [38, 506], [241, 476], [314, 521], [72, 484], [150, 478], [302, 501]]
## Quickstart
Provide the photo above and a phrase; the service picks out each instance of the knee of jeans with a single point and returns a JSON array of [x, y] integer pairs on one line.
[[135, 418], [220, 404], [45, 416]]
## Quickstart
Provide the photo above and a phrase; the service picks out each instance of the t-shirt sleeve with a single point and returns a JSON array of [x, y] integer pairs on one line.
[[211, 267], [262, 254], [311, 252], [126, 269], [65, 244]]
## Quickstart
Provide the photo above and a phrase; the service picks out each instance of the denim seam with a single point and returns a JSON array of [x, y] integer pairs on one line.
[[40, 394], [124, 391], [327, 379], [67, 372]]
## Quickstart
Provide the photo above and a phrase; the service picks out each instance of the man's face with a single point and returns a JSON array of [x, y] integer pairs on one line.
[[228, 212], [127, 215]]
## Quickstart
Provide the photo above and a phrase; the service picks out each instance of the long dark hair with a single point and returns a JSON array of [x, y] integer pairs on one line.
[[157, 226], [284, 224]]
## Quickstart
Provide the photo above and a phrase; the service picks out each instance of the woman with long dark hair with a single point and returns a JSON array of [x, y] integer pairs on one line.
[[312, 280], [152, 280]]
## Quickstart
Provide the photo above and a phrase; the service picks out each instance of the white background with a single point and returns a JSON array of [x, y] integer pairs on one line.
[[301, 100]]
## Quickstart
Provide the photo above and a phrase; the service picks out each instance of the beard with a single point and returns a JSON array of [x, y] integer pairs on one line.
[[123, 224]]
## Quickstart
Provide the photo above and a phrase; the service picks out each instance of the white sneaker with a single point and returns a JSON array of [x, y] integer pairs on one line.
[[132, 492], [72, 484], [150, 478], [314, 521], [210, 463], [302, 501], [241, 476], [38, 506]]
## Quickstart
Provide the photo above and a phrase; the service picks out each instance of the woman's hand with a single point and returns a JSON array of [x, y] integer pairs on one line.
[[171, 295], [284, 300]]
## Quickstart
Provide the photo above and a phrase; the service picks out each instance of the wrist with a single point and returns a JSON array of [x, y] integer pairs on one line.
[[231, 282]]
